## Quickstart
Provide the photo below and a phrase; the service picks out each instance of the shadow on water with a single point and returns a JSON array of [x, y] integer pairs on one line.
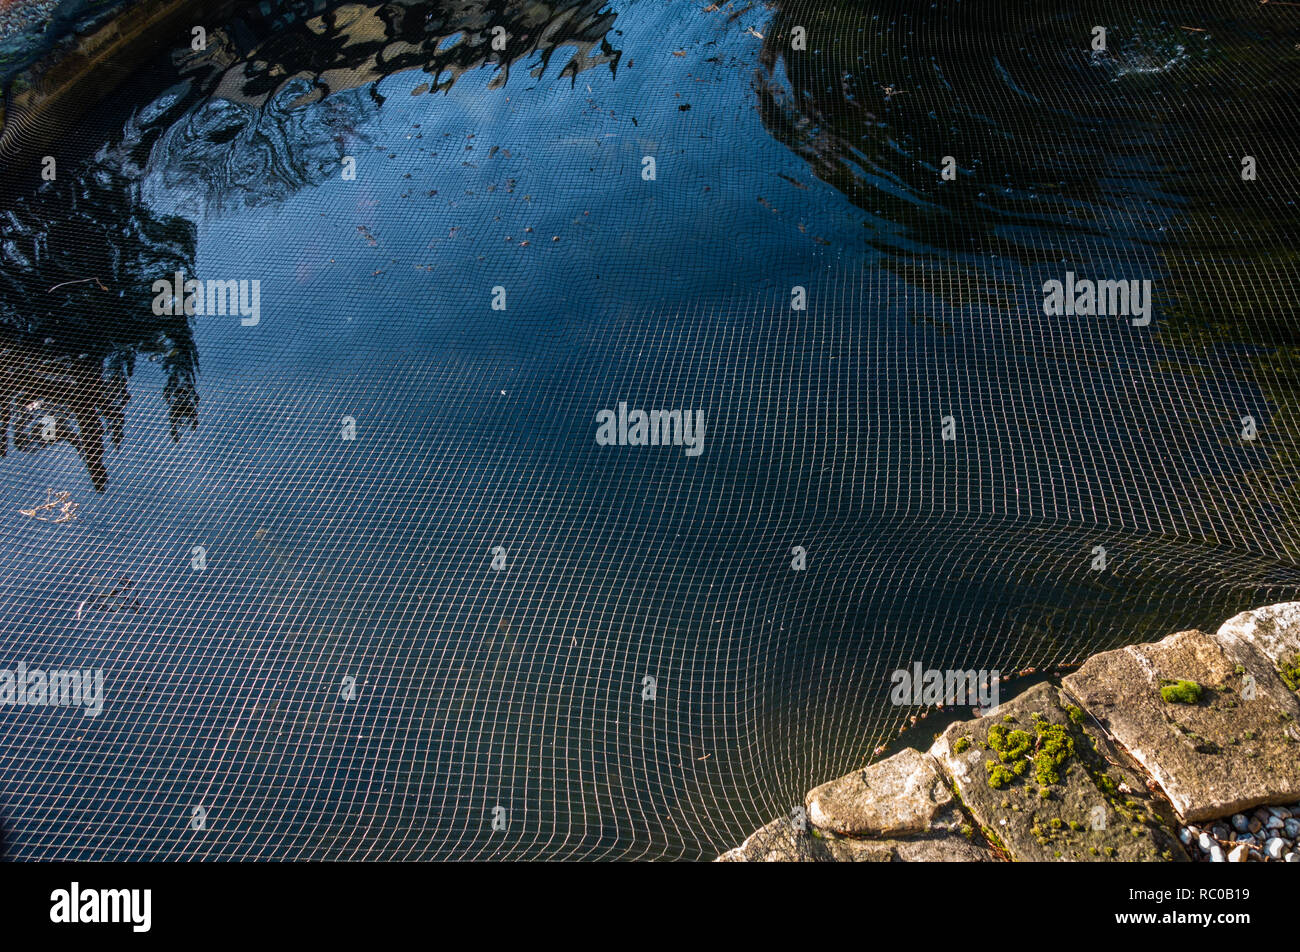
[[1124, 162], [1059, 149]]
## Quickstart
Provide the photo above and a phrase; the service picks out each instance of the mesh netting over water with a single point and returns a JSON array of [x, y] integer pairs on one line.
[[361, 580]]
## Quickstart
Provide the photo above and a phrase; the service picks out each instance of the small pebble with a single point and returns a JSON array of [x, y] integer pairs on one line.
[[1185, 835], [1216, 853], [1293, 857], [1204, 841], [1275, 847], [1240, 823], [1275, 823], [1255, 825], [1219, 831], [1239, 854], [1292, 827]]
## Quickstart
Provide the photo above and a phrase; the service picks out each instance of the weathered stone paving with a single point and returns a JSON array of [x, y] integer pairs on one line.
[[1195, 727], [782, 841], [1274, 631], [1050, 789], [904, 794], [1235, 748]]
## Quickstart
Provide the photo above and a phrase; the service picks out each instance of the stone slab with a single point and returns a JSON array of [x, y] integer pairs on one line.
[[900, 795], [942, 848], [1238, 747], [1274, 631], [1097, 809], [778, 842]]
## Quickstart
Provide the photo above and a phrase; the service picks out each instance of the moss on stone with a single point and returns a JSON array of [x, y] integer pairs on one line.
[[999, 776], [1055, 747], [1009, 744], [961, 746], [1180, 692], [1046, 750], [1289, 669]]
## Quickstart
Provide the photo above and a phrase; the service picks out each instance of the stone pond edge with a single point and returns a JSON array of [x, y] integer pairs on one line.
[[842, 821]]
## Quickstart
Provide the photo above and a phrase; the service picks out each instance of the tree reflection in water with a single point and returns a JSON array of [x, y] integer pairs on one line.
[[270, 107]]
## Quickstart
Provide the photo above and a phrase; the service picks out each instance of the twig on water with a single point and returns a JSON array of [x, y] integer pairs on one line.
[[99, 284]]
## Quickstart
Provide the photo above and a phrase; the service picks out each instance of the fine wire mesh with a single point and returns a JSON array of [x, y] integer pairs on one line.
[[370, 559]]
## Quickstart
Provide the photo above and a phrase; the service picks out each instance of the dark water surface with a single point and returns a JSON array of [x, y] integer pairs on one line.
[[333, 561]]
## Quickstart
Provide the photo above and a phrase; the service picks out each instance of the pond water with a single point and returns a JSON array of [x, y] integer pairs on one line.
[[361, 579]]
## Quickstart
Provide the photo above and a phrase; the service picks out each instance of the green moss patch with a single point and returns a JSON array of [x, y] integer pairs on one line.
[[1290, 671], [1055, 747], [1047, 750], [1180, 692]]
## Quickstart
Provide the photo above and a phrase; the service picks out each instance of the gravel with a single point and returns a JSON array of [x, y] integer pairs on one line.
[[21, 14], [1265, 835]]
